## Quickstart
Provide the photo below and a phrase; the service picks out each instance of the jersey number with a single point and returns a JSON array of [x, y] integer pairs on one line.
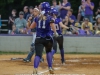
[[57, 27], [43, 26]]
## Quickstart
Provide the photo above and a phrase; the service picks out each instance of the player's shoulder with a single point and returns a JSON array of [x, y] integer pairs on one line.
[[36, 18], [58, 19]]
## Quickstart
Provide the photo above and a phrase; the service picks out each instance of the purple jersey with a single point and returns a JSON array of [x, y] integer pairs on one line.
[[43, 28], [58, 28], [63, 12], [88, 10]]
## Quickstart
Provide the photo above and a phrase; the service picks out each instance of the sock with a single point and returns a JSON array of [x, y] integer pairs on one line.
[[62, 54], [36, 61], [49, 59], [53, 52]]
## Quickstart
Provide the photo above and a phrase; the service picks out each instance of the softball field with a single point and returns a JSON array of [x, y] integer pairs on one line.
[[76, 64]]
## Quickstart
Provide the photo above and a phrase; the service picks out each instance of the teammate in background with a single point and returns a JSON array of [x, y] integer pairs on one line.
[[32, 49], [43, 25], [58, 39]]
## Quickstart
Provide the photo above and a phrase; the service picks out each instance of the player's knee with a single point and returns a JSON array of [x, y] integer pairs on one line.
[[48, 50], [40, 55], [60, 47], [32, 48], [55, 50]]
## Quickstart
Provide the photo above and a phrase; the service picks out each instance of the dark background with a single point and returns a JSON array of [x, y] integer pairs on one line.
[[7, 5]]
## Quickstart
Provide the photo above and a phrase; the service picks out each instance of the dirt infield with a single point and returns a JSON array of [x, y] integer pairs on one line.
[[75, 65]]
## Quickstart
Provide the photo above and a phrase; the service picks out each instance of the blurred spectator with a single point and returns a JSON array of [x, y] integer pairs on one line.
[[0, 21], [89, 7], [88, 31], [12, 18], [77, 30], [20, 23], [54, 2], [39, 7], [98, 12], [65, 22], [97, 25], [69, 20], [71, 17], [30, 19], [14, 30], [86, 23], [31, 12], [26, 12], [64, 7], [81, 11]]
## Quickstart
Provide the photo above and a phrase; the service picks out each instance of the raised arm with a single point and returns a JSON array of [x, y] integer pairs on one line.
[[63, 26], [33, 25]]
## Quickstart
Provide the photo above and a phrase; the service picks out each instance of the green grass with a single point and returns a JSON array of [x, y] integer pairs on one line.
[[7, 53], [22, 53]]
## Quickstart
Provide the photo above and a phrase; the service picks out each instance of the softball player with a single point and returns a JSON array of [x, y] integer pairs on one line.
[[43, 25], [32, 49], [59, 39]]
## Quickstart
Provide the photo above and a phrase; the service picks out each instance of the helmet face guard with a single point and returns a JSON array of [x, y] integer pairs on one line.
[[54, 11], [45, 6]]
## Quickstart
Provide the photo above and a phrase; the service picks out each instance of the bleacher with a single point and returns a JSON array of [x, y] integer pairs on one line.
[[4, 27]]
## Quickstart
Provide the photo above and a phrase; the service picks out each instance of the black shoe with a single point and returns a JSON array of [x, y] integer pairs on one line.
[[63, 62], [42, 60], [26, 60]]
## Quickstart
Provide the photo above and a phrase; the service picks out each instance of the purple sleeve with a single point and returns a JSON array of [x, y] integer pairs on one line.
[[68, 4], [35, 19], [60, 20], [73, 18], [92, 3]]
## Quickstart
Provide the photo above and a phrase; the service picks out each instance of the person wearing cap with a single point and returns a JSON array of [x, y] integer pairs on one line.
[[87, 23], [88, 31], [20, 23], [81, 11], [89, 7], [97, 25], [77, 30], [54, 5]]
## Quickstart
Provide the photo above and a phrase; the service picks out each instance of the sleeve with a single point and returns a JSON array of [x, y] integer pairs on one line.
[[92, 4], [35, 19], [27, 17], [15, 21], [68, 4], [51, 20], [25, 23], [79, 7], [59, 20], [74, 18], [82, 26], [91, 26]]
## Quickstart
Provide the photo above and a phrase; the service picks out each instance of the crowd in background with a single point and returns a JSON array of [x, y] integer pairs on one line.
[[84, 24]]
